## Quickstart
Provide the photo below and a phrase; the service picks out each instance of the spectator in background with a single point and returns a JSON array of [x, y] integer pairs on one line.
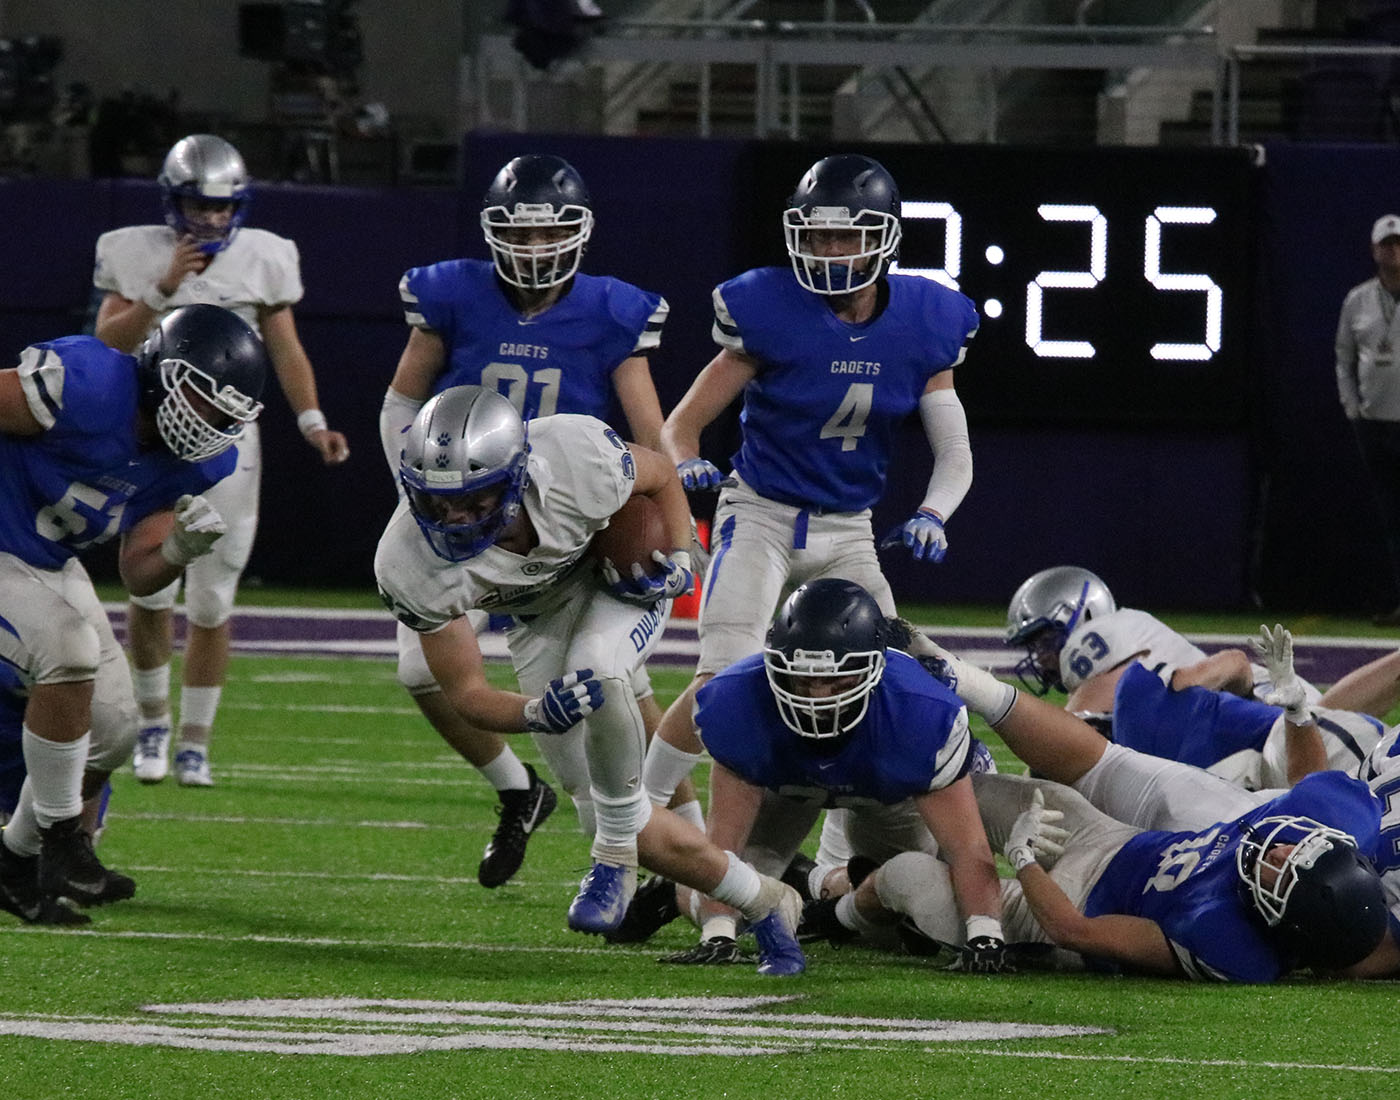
[[145, 272], [1368, 382]]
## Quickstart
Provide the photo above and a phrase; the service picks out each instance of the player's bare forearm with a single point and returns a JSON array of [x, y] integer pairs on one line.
[[1133, 941], [734, 807], [713, 390], [454, 659], [422, 361], [1229, 670], [636, 393], [656, 478], [122, 323], [143, 568]]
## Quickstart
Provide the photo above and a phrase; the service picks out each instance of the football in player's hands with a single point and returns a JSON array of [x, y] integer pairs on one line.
[[634, 533]]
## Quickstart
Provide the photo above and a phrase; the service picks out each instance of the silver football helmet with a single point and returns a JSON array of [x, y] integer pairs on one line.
[[537, 217], [1043, 614], [201, 177], [463, 467]]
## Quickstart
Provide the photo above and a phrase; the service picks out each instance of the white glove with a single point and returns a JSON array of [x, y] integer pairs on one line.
[[1035, 834], [198, 526], [1274, 649]]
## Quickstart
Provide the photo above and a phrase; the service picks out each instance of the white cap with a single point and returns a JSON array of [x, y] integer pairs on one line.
[[1388, 225]]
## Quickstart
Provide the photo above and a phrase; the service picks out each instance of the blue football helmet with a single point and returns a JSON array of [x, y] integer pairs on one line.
[[1323, 901], [208, 352], [463, 467], [1043, 614], [545, 194], [204, 170], [849, 193], [824, 655]]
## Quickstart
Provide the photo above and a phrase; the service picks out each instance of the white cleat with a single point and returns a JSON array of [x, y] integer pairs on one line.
[[150, 762], [192, 767]]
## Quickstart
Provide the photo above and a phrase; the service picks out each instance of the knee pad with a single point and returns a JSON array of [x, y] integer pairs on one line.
[[69, 653], [412, 669], [209, 594], [162, 600]]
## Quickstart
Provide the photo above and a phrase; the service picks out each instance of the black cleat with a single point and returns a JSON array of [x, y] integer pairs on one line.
[[20, 893], [521, 812], [798, 875], [819, 923], [652, 907], [68, 867], [716, 951], [859, 868]]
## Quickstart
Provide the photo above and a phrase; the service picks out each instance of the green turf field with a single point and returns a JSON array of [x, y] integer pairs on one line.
[[312, 927]]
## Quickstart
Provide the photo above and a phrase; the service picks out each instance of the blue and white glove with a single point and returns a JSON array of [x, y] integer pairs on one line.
[[698, 475], [567, 701], [675, 580], [923, 534]]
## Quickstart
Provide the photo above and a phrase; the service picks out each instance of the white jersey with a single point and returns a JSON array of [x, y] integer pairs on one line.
[[258, 268], [1107, 641], [580, 474]]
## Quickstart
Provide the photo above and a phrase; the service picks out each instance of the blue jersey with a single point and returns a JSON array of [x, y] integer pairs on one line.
[[820, 417], [85, 478], [1194, 725], [14, 695], [1188, 883], [913, 739], [560, 361]]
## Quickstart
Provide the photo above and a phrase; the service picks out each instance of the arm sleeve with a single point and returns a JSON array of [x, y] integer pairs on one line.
[[1347, 388], [945, 424], [395, 416]]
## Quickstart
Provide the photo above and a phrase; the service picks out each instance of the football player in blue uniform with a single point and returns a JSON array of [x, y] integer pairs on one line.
[[829, 715], [96, 444], [831, 356], [1228, 885], [550, 339]]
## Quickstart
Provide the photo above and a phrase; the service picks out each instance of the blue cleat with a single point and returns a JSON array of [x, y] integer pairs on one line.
[[779, 956], [602, 899]]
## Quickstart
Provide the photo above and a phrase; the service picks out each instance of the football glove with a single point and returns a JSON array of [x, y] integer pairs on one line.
[[198, 526], [676, 579], [698, 475], [923, 534], [1275, 651], [1035, 836], [715, 951], [984, 955], [565, 703]]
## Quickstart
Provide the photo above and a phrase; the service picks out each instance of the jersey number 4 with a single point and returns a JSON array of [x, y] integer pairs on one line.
[[847, 423]]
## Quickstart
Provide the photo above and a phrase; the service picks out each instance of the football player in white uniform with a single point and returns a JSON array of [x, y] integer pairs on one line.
[[500, 518], [202, 254]]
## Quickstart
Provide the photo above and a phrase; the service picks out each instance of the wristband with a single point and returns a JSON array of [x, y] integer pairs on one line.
[[1020, 857], [311, 420]]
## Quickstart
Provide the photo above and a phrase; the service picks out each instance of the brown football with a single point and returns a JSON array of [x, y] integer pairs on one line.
[[635, 530]]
